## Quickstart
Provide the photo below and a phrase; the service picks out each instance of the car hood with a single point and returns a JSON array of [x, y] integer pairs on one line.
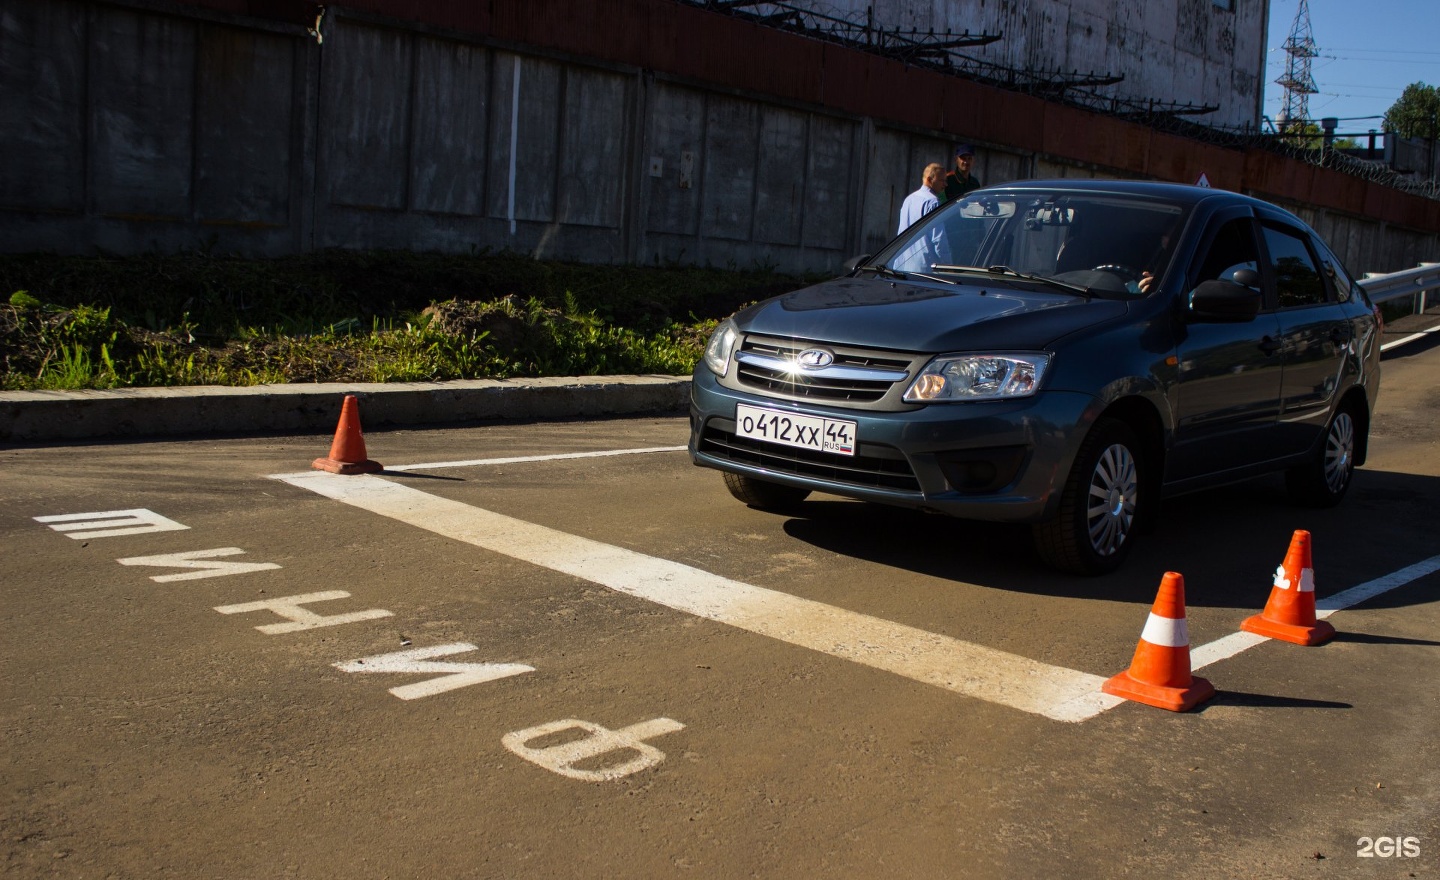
[[879, 313]]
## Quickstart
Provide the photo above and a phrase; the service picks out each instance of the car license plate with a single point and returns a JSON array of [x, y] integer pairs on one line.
[[793, 429]]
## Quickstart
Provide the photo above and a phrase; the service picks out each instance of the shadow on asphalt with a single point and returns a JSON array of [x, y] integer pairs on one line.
[[1369, 639], [415, 475], [1227, 542], [1267, 701]]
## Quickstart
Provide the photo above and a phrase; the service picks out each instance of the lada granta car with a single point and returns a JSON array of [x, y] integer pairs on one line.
[[1061, 353]]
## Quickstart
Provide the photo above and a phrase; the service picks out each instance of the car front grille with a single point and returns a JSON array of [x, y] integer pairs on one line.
[[876, 467], [770, 366]]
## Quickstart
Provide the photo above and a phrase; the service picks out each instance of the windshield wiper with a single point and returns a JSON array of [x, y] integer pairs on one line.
[[887, 272], [883, 270], [1007, 271]]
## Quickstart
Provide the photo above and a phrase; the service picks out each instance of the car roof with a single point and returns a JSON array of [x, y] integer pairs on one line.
[[1176, 192]]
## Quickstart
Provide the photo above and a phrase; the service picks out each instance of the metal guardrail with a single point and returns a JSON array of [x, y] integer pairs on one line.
[[1415, 282]]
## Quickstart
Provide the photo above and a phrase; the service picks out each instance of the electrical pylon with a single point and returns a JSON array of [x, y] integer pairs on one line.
[[1298, 83]]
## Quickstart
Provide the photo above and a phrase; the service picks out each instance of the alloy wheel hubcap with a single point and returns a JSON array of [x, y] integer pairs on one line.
[[1339, 452], [1111, 511]]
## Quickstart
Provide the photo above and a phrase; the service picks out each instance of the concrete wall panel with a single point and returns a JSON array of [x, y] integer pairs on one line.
[[451, 128], [365, 112], [677, 132], [42, 106], [593, 169], [535, 133], [781, 187], [889, 179], [997, 166], [142, 83], [728, 182], [829, 178], [245, 127]]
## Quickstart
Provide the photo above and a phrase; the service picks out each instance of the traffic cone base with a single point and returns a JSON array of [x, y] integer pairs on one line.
[[347, 452], [1289, 613], [347, 467], [1315, 634], [1176, 699]]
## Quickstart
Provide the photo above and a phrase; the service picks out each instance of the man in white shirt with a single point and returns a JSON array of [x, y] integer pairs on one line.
[[925, 199]]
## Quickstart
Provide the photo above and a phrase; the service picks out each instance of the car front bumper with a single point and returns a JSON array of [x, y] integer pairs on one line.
[[1002, 461]]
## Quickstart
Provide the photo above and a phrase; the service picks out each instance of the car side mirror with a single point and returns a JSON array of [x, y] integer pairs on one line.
[[1225, 301], [854, 263]]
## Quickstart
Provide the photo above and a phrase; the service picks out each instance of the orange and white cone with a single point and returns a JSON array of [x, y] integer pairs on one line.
[[1160, 673], [347, 452], [1289, 614]]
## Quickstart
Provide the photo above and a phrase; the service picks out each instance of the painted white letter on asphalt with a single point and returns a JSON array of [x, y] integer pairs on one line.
[[191, 560], [110, 523], [417, 660], [562, 758], [302, 618]]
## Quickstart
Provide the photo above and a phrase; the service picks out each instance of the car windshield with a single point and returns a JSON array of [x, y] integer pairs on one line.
[[1088, 242]]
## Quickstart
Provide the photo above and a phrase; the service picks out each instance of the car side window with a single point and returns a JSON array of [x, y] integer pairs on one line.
[[1297, 272], [1232, 249], [1345, 287]]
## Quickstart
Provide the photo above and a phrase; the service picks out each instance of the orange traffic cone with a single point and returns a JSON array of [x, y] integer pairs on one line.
[[1289, 615], [347, 452], [1160, 673]]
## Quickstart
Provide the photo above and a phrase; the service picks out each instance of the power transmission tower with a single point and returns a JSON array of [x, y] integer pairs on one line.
[[1298, 83]]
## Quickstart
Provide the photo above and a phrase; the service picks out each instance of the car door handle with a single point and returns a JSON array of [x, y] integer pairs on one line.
[[1270, 345], [1340, 335]]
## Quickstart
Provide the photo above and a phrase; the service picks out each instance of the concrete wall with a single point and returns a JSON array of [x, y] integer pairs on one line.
[[135, 125]]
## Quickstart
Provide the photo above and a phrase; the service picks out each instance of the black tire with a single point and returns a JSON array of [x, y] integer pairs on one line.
[[1324, 480], [763, 495], [1100, 505]]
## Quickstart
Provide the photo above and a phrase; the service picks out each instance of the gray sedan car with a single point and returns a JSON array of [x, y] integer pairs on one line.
[[1063, 353]]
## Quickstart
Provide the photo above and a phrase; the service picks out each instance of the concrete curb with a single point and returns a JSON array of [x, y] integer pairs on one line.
[[38, 416]]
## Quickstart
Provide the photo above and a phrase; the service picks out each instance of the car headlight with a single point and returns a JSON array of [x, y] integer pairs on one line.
[[978, 377], [721, 344]]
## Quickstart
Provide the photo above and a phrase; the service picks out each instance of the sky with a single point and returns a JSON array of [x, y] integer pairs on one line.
[[1369, 52]]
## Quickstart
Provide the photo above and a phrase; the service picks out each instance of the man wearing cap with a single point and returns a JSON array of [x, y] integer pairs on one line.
[[961, 181]]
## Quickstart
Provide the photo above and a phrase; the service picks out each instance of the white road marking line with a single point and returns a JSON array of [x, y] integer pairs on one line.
[[476, 462], [1411, 338], [973, 670], [1051, 691], [1370, 589]]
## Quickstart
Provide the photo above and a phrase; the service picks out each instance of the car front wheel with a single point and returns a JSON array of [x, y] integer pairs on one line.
[[763, 495], [1095, 528], [1323, 481]]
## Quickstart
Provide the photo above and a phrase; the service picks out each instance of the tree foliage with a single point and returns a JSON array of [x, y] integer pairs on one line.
[[1417, 113]]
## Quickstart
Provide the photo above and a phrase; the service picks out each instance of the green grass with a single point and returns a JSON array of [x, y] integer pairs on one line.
[[337, 316]]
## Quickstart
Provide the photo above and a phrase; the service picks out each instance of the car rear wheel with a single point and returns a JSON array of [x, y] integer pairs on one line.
[[763, 495], [1324, 480], [1095, 528]]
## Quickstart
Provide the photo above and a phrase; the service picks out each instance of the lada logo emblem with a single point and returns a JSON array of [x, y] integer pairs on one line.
[[814, 358]]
